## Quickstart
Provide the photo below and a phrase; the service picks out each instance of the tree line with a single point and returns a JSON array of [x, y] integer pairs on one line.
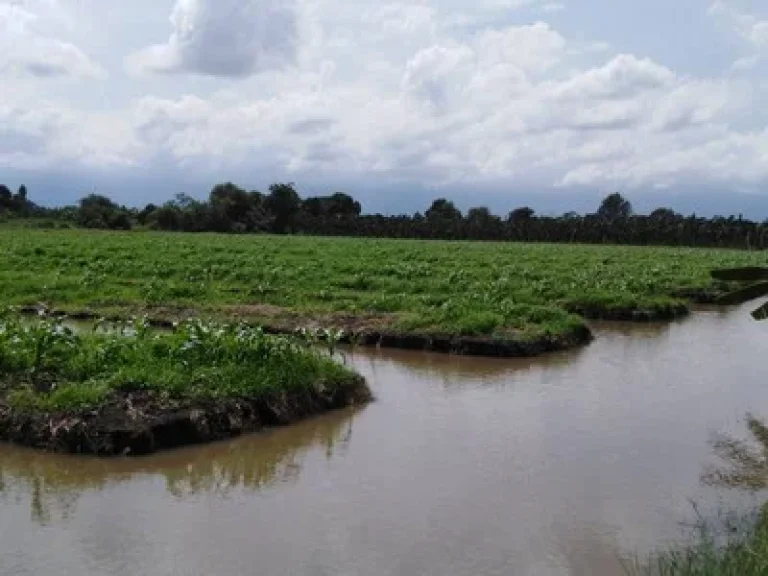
[[231, 209]]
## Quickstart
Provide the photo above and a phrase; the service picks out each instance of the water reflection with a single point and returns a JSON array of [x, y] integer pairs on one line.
[[258, 462], [592, 550], [460, 370], [644, 330], [53, 483]]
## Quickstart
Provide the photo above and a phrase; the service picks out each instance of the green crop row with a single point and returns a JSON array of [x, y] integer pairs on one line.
[[468, 288]]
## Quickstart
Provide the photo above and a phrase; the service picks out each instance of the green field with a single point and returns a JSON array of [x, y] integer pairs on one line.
[[47, 366], [127, 386], [503, 290]]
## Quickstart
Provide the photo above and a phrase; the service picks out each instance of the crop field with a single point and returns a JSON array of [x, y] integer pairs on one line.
[[125, 386], [47, 366], [461, 288]]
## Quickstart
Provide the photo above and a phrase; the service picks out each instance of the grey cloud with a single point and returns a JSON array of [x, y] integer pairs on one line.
[[311, 126], [15, 141], [27, 50], [44, 69], [226, 38]]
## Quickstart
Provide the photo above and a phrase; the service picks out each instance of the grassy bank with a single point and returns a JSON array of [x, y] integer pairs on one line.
[[735, 548], [134, 389], [513, 292], [731, 544]]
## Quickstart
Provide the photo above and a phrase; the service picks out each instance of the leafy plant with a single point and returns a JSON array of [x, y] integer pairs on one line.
[[486, 288], [47, 366]]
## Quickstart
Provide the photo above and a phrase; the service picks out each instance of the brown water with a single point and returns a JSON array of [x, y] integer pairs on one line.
[[463, 466]]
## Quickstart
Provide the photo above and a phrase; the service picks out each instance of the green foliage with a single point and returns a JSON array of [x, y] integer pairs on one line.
[[729, 547], [443, 210], [488, 288], [283, 203], [614, 207], [231, 209], [98, 211], [44, 365]]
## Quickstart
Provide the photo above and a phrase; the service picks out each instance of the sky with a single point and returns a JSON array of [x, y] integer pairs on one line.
[[491, 102]]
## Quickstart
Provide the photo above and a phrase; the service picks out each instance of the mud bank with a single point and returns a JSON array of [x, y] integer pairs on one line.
[[666, 313], [476, 346], [134, 423]]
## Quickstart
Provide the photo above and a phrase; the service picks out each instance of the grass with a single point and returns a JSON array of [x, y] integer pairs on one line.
[[493, 289], [47, 367], [731, 547]]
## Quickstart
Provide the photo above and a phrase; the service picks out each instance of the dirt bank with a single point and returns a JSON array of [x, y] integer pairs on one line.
[[139, 422], [629, 314]]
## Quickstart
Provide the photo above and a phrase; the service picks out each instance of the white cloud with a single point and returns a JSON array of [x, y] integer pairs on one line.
[[553, 7], [43, 135], [431, 74], [751, 29], [426, 92], [26, 50], [475, 111], [234, 38], [534, 48], [746, 62], [623, 75]]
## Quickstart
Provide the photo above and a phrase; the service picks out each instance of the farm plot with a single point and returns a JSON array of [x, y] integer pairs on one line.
[[523, 293]]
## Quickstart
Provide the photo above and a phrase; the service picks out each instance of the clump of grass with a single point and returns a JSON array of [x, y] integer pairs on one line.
[[46, 366], [599, 304], [508, 319], [734, 546], [731, 545]]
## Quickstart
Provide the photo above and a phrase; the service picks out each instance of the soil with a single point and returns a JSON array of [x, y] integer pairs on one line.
[[630, 314], [134, 423]]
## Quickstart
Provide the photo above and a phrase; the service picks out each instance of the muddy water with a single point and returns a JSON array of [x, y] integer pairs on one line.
[[463, 466]]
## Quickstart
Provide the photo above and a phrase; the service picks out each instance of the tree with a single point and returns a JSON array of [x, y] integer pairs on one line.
[[229, 207], [314, 206], [664, 215], [167, 217], [338, 206], [614, 207], [145, 213], [522, 214], [479, 215], [283, 203], [443, 210], [19, 201], [342, 205], [97, 211], [482, 223], [194, 215], [6, 198]]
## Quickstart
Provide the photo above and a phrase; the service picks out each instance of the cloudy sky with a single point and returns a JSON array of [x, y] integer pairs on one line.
[[494, 102]]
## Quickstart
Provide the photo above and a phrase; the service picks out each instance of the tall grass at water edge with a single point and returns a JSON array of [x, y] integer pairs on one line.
[[47, 366]]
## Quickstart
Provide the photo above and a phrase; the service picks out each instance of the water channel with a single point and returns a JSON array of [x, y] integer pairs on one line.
[[463, 466]]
